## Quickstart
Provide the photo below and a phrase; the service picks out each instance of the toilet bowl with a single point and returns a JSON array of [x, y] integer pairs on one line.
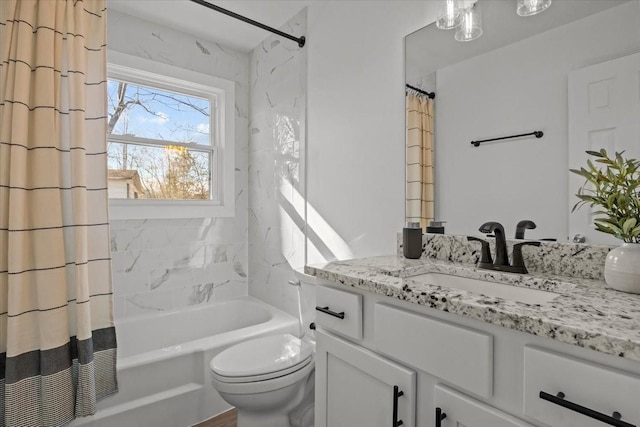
[[269, 380]]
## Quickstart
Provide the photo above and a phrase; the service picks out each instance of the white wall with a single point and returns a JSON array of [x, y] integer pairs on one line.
[[355, 122], [516, 89], [168, 264]]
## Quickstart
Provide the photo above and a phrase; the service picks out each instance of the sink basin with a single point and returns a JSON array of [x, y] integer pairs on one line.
[[492, 289]]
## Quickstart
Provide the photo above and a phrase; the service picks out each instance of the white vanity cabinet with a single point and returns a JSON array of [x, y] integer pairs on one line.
[[477, 373], [356, 387]]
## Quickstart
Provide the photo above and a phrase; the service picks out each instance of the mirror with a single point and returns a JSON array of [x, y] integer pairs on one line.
[[513, 80]]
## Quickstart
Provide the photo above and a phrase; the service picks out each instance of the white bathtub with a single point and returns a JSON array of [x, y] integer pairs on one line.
[[163, 362]]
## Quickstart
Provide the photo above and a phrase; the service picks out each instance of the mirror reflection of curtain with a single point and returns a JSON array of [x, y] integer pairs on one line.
[[419, 191]]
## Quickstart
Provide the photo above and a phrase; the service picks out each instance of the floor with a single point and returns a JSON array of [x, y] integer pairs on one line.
[[226, 419]]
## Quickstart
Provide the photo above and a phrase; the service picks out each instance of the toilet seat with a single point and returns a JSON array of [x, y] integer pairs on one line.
[[261, 359], [260, 377], [256, 388]]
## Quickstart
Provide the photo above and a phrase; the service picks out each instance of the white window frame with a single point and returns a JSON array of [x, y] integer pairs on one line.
[[167, 77]]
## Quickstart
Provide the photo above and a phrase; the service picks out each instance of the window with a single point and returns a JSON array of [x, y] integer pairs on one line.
[[170, 141]]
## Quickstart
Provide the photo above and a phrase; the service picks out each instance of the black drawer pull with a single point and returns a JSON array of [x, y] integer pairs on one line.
[[396, 394], [559, 400], [439, 417], [330, 313]]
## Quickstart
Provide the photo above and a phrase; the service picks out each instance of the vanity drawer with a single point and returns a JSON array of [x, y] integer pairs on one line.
[[459, 355], [339, 311], [461, 410], [593, 387]]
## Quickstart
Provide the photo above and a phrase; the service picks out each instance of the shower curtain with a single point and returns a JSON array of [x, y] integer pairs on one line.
[[57, 336], [419, 154]]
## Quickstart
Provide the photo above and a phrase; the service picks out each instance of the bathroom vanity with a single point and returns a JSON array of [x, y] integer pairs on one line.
[[401, 342]]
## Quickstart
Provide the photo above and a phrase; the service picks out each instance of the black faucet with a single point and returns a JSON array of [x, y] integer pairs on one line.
[[501, 242], [525, 224], [502, 260]]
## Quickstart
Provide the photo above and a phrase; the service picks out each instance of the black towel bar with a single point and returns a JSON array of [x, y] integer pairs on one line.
[[537, 134]]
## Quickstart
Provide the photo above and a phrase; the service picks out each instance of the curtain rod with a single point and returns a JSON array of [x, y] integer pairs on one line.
[[429, 94], [301, 41]]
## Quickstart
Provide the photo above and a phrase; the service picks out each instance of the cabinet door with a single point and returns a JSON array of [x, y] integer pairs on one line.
[[462, 411], [356, 387]]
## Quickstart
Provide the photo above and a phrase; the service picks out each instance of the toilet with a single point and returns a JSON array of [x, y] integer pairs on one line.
[[270, 380]]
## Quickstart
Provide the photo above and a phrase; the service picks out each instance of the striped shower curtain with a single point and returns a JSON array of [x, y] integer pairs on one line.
[[419, 154], [57, 337]]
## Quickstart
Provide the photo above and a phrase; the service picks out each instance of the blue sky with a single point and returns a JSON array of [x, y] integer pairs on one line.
[[166, 116]]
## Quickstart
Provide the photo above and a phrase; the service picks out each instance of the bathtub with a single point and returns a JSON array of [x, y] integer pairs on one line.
[[163, 362]]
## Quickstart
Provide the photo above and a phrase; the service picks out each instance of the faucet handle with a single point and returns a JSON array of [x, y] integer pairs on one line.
[[518, 261], [485, 254]]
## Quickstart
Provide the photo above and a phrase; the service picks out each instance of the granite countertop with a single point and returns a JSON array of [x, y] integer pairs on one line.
[[585, 313]]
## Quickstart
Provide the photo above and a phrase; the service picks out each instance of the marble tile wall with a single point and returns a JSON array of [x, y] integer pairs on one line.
[[277, 166], [167, 264], [563, 259]]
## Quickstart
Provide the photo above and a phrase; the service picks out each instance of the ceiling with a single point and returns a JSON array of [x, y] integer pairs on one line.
[[192, 18]]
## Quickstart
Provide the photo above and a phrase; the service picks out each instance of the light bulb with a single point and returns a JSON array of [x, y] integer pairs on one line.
[[448, 14], [532, 7], [470, 25]]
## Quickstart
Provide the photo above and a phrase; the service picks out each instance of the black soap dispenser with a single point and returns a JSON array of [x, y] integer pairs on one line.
[[412, 240]]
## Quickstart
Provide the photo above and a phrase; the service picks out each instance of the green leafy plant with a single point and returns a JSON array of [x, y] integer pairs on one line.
[[615, 190]]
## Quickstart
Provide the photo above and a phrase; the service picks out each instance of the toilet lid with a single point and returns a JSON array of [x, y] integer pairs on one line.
[[264, 355]]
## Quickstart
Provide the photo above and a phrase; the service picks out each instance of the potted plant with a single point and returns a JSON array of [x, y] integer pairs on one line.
[[613, 187]]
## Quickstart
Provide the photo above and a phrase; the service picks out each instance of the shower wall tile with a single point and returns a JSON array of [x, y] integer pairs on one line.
[[277, 164], [118, 306], [229, 289], [161, 265], [180, 268]]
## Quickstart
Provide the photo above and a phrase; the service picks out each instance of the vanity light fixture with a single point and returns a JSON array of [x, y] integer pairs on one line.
[[532, 7], [449, 14], [465, 16], [470, 27]]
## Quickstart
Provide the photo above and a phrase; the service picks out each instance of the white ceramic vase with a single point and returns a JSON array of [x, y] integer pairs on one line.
[[622, 268]]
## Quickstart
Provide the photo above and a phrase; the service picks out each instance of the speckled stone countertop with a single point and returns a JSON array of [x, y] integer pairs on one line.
[[585, 313]]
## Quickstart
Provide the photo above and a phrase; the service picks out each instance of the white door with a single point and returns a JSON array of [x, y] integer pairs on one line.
[[458, 410], [604, 112], [355, 387]]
